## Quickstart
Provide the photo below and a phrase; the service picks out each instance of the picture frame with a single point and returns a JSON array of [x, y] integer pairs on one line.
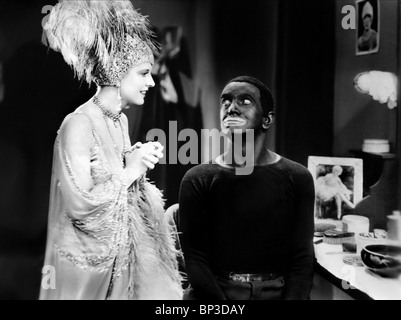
[[338, 185], [368, 27]]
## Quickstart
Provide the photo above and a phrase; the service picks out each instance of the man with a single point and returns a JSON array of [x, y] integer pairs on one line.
[[247, 236], [368, 40]]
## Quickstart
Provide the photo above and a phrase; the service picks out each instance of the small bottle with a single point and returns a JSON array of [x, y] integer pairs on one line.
[[394, 226]]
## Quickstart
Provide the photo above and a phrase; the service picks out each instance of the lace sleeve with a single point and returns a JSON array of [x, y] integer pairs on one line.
[[83, 195]]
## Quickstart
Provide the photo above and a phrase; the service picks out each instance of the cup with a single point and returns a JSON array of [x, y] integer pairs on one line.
[[356, 224]]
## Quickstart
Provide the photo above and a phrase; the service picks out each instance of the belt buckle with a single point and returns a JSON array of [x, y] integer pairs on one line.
[[248, 277], [240, 277]]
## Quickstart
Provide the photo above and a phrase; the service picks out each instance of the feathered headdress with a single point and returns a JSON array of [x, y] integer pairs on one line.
[[101, 39]]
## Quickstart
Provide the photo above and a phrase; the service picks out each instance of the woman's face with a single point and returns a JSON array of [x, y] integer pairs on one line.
[[337, 170], [136, 83]]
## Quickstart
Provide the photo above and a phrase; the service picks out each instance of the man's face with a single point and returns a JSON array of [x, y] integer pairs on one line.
[[240, 107], [367, 22]]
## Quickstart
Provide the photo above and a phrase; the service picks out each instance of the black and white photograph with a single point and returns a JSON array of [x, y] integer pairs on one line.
[[338, 185], [368, 26], [204, 150]]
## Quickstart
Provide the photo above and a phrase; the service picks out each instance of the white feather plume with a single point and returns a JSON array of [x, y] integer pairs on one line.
[[89, 33]]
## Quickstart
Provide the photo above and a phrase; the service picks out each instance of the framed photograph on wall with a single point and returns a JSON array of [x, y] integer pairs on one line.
[[338, 185], [368, 26]]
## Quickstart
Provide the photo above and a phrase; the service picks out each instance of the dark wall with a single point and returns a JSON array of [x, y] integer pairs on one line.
[[305, 78], [357, 116], [245, 43], [40, 90]]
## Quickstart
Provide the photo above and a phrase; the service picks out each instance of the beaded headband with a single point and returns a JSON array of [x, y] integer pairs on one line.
[[101, 40], [134, 52]]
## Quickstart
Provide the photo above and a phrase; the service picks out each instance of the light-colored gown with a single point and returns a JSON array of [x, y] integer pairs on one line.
[[112, 243]]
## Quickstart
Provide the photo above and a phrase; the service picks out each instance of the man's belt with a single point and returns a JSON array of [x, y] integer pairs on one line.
[[249, 277]]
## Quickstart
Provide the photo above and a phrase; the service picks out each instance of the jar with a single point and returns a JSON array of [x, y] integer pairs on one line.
[[394, 226]]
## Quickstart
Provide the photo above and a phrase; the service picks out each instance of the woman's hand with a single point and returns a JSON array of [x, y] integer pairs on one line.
[[142, 157]]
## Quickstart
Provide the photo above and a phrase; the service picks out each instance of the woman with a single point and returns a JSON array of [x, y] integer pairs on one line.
[[108, 236], [331, 187]]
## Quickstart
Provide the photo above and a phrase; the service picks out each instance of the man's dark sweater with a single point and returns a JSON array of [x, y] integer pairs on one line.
[[257, 223]]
